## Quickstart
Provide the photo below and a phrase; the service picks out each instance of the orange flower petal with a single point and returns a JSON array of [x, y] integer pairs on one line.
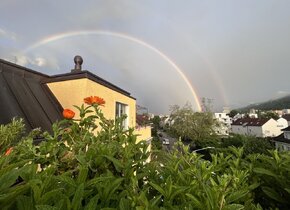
[[68, 114], [94, 100], [8, 151]]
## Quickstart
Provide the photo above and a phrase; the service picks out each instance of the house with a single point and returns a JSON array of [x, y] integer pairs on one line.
[[287, 117], [282, 123], [256, 127], [39, 99], [224, 123], [282, 142]]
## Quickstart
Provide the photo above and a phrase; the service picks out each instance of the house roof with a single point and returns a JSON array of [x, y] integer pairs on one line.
[[286, 129], [24, 95], [286, 117], [88, 75], [281, 138], [142, 119], [250, 122]]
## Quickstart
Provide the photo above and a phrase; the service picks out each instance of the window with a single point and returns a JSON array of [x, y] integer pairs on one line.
[[122, 110]]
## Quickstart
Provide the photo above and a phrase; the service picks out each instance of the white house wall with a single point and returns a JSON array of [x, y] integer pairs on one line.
[[238, 129], [282, 123], [255, 131], [270, 129]]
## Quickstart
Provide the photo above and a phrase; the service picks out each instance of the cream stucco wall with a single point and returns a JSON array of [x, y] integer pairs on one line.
[[73, 92], [271, 129], [144, 133]]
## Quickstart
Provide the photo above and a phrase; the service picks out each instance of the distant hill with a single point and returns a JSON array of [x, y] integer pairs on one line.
[[280, 103]]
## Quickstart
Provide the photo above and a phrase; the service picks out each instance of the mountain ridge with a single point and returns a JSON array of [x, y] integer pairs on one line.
[[273, 104]]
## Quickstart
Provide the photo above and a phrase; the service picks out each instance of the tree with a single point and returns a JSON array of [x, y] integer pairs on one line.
[[191, 125], [269, 115], [156, 121], [233, 113]]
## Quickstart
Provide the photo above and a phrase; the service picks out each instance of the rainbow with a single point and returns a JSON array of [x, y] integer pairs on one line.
[[65, 35]]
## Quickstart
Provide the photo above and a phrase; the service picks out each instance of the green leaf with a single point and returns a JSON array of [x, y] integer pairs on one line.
[[13, 193], [118, 165], [156, 200], [9, 179], [92, 205], [24, 203], [45, 207], [158, 188], [67, 180], [287, 190], [195, 201], [77, 200], [51, 195], [125, 204], [273, 194], [83, 173], [233, 207], [264, 172], [234, 196], [112, 187]]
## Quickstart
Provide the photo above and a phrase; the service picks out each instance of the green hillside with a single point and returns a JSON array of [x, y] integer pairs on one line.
[[280, 103]]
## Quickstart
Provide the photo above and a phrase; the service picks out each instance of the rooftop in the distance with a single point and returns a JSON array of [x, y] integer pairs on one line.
[[250, 122]]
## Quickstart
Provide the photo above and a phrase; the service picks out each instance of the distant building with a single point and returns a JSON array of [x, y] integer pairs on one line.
[[256, 127], [282, 142], [226, 110], [282, 123], [287, 117], [252, 111], [253, 115], [286, 111], [238, 116], [279, 112], [224, 123]]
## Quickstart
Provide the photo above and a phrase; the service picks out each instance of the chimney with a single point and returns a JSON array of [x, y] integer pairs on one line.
[[78, 64]]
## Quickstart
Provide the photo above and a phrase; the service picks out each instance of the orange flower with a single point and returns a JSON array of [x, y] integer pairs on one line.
[[68, 114], [8, 151], [94, 100]]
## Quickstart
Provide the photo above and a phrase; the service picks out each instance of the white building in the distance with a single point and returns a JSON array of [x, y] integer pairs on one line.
[[282, 142], [258, 127], [224, 122]]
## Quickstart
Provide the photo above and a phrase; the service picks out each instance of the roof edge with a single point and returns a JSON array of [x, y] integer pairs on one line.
[[85, 74], [22, 68]]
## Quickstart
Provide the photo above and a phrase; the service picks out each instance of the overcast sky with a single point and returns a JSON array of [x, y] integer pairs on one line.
[[233, 52]]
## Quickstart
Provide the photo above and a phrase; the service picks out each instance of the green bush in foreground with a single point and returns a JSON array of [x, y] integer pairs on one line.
[[75, 169]]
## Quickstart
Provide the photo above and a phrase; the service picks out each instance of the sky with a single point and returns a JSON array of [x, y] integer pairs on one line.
[[163, 52]]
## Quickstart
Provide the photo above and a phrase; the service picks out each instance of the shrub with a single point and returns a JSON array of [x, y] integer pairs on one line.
[[75, 169]]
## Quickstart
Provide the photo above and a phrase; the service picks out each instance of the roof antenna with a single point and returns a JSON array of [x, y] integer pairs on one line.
[[78, 64]]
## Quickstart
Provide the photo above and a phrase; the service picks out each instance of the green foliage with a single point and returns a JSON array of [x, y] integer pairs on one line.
[[268, 115], [11, 133], [235, 140], [76, 169], [156, 122], [277, 104], [233, 113], [188, 124], [272, 172], [251, 144], [257, 145]]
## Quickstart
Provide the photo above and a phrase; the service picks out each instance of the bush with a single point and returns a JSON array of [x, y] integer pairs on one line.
[[76, 169]]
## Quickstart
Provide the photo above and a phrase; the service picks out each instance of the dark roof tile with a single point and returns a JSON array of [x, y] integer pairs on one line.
[[250, 122], [23, 95], [286, 117]]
